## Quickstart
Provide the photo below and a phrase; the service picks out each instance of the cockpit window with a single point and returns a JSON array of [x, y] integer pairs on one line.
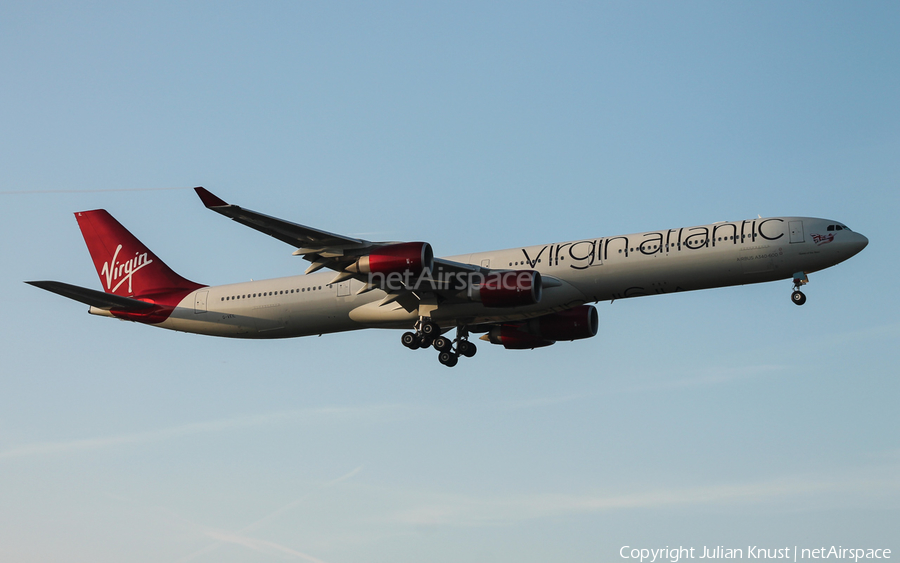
[[830, 227]]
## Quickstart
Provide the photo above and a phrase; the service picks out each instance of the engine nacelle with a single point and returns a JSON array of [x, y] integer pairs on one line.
[[512, 337], [574, 324], [517, 288], [413, 257]]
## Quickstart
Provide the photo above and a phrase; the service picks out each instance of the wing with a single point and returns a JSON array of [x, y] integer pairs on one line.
[[300, 236], [340, 253], [92, 297]]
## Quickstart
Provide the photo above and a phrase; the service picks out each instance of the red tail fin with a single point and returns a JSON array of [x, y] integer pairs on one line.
[[126, 267]]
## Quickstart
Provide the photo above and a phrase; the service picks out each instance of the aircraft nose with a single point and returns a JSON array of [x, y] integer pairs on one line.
[[859, 242]]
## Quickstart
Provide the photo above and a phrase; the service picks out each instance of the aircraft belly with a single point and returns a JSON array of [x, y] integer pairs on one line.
[[269, 317], [321, 316], [553, 299], [233, 325], [374, 315]]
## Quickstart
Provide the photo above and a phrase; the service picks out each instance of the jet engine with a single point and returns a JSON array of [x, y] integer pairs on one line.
[[413, 257], [574, 324], [516, 288]]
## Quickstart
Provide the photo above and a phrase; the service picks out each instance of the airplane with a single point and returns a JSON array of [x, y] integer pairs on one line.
[[520, 298]]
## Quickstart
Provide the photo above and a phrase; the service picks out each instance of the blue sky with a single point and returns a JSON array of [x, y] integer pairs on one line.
[[724, 417]]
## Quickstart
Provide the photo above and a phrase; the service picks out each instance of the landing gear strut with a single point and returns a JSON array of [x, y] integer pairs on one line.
[[462, 344], [800, 279], [428, 333]]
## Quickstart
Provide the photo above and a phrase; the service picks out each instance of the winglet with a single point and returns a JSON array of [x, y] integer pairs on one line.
[[208, 199]]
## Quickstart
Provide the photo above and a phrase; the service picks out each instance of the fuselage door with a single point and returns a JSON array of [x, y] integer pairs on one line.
[[796, 231], [343, 289], [200, 302]]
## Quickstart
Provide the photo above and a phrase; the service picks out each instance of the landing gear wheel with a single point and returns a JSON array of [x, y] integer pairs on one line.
[[442, 344], [430, 330], [466, 348], [410, 340], [449, 359], [798, 297]]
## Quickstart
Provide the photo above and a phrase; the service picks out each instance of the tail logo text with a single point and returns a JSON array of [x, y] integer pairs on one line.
[[116, 272]]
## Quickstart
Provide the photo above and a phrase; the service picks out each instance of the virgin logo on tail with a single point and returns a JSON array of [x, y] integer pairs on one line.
[[120, 272]]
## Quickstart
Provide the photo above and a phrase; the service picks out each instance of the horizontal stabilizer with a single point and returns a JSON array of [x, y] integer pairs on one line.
[[92, 297]]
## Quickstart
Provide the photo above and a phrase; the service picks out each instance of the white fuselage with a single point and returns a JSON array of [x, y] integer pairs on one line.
[[574, 272]]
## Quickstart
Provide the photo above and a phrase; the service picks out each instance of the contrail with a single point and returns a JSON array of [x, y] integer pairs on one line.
[[259, 545], [28, 192], [281, 417], [289, 506]]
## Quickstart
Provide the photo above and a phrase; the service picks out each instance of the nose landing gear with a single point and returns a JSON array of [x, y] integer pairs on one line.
[[428, 334], [800, 279]]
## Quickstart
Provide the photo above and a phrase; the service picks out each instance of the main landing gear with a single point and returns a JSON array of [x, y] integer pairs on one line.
[[798, 297], [428, 334]]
